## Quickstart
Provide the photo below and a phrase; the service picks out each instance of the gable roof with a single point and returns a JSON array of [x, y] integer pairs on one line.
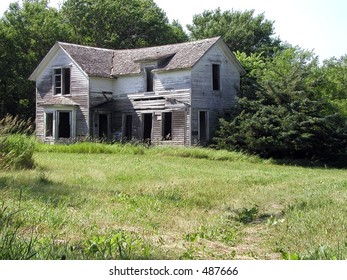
[[107, 63]]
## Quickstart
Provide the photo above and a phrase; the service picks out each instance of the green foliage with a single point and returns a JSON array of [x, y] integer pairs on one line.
[[279, 113], [121, 245], [333, 80], [242, 31], [120, 23]]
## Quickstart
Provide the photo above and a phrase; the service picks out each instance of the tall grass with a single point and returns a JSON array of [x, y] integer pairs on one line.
[[141, 149], [17, 146]]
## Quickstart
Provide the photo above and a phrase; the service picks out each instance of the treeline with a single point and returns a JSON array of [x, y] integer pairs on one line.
[[290, 103]]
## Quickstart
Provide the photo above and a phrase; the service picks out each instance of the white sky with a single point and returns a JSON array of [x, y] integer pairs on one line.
[[318, 25]]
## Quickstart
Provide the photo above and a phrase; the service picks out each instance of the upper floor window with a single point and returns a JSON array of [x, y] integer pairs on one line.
[[62, 80], [149, 79], [216, 76]]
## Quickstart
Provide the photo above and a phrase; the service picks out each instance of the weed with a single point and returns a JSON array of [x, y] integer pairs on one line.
[[121, 245]]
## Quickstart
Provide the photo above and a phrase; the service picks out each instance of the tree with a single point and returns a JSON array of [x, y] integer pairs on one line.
[[27, 32], [280, 114], [333, 75], [120, 23], [242, 31]]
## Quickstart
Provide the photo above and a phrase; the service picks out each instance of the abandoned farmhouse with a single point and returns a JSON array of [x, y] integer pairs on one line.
[[172, 94]]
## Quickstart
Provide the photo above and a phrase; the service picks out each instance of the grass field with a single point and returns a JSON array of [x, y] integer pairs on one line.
[[170, 203]]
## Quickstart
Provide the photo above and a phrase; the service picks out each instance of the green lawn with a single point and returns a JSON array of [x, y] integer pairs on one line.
[[164, 204]]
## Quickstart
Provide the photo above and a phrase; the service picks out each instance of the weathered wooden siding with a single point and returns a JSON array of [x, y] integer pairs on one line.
[[125, 85], [79, 93], [101, 90], [204, 98], [172, 80]]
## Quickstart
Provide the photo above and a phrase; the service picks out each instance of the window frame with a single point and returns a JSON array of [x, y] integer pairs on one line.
[[62, 76], [55, 125]]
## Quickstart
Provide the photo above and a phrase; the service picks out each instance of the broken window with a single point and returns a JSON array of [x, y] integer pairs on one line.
[[167, 126], [59, 123], [216, 76], [62, 80]]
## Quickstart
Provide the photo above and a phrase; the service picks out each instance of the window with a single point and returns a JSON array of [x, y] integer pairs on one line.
[[216, 76], [167, 126], [60, 123], [49, 125], [62, 77], [149, 79]]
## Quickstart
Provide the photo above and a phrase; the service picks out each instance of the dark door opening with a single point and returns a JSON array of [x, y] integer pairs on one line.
[[64, 130], [128, 131], [203, 127], [103, 126], [147, 127], [167, 126]]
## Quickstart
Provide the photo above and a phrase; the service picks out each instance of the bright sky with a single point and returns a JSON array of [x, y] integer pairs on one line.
[[318, 25]]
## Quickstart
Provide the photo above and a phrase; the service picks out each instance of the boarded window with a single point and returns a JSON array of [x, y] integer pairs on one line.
[[62, 81], [216, 76], [49, 125], [167, 126]]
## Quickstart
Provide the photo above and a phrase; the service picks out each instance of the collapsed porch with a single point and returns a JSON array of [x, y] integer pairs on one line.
[[161, 118]]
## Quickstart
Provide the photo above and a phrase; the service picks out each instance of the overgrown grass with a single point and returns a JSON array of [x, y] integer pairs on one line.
[[143, 149], [175, 203], [16, 145]]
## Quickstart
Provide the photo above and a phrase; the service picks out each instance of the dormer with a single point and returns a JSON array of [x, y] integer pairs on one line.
[[151, 63]]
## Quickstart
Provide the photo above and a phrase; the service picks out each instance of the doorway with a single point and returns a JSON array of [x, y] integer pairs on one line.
[[147, 126], [128, 127], [103, 125], [64, 127]]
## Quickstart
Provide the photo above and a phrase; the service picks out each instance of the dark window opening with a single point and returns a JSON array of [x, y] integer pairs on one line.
[[62, 81], [49, 125], [128, 133], [167, 126], [67, 79], [147, 127], [216, 76], [149, 80], [64, 130], [203, 127], [103, 125]]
